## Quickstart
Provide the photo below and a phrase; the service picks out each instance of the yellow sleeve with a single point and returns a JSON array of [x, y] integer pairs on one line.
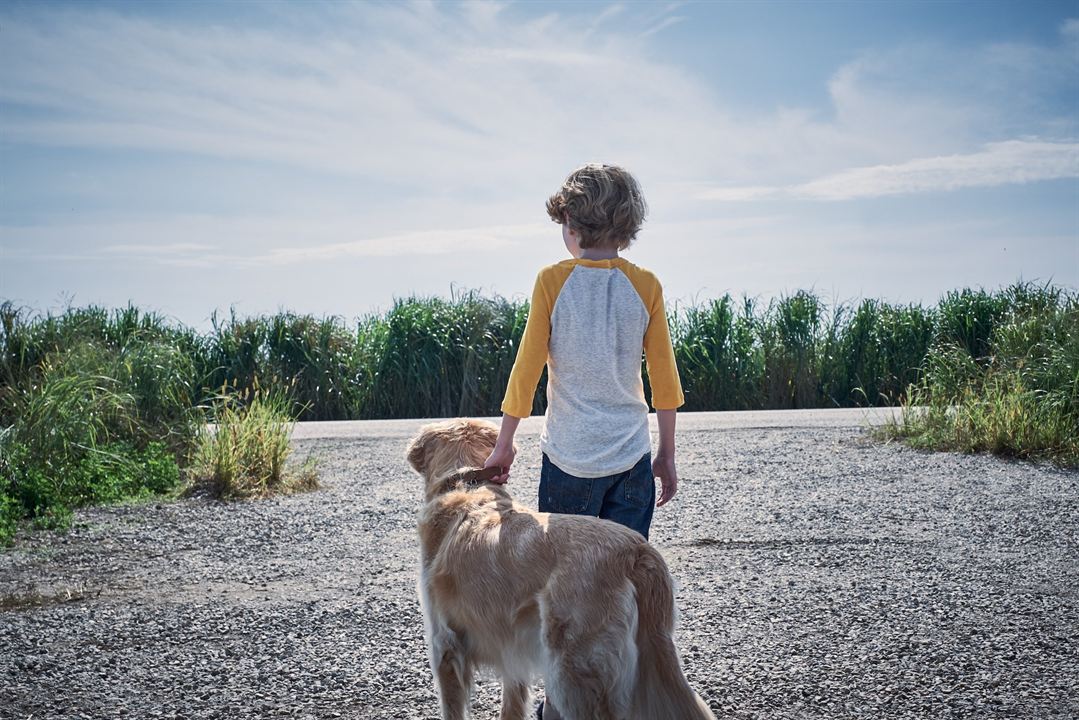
[[532, 354], [659, 356]]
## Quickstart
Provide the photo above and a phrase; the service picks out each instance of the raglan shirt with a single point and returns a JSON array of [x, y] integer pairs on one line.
[[589, 322]]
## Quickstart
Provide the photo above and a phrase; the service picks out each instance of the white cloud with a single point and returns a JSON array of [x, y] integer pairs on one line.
[[1002, 163], [606, 14], [738, 194], [460, 99], [430, 242], [444, 94], [464, 118], [167, 249], [245, 242], [664, 23]]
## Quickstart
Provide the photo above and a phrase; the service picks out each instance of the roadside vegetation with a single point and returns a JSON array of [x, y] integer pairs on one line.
[[102, 407], [1004, 377], [99, 405]]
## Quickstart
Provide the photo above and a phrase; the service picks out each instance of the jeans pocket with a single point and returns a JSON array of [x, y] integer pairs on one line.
[[562, 492], [640, 483]]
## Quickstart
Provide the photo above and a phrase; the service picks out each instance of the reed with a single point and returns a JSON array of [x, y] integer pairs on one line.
[[719, 354], [90, 393], [441, 358]]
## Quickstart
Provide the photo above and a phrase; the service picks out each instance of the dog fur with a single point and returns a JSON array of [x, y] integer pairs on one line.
[[585, 603]]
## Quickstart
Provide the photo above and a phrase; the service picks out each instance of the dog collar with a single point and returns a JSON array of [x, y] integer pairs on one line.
[[471, 477], [478, 475]]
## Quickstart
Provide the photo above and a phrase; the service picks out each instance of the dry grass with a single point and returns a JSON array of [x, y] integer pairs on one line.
[[244, 455]]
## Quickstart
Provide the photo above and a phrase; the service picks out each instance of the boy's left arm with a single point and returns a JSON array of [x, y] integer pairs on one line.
[[663, 465], [667, 394]]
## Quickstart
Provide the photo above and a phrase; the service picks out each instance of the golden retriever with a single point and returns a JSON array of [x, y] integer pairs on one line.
[[585, 603]]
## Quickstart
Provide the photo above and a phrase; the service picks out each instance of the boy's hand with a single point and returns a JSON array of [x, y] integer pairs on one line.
[[504, 457], [663, 468]]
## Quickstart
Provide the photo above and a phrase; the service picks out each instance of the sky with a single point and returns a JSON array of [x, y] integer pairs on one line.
[[330, 157]]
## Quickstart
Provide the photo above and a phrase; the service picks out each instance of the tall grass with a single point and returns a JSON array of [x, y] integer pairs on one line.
[[430, 356], [86, 393], [94, 407], [1011, 388], [876, 353], [435, 357], [718, 353], [314, 356]]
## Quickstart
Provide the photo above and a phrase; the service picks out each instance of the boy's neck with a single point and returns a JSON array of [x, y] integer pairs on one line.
[[598, 254]]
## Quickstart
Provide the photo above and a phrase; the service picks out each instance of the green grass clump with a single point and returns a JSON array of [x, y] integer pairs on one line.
[[876, 352], [432, 357], [244, 454], [791, 340], [92, 423], [315, 357], [1016, 394]]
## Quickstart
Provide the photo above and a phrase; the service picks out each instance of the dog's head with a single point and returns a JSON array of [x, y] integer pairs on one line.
[[441, 448]]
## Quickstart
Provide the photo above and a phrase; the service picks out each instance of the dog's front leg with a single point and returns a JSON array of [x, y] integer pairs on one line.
[[514, 700], [453, 673]]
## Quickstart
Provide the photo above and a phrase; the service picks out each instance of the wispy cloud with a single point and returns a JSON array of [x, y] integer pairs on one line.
[[255, 241], [158, 250], [310, 145], [430, 242], [664, 23], [607, 13], [473, 96], [1003, 163], [458, 91]]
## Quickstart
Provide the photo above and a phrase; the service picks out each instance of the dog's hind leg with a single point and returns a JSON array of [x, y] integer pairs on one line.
[[453, 673], [515, 697], [592, 656]]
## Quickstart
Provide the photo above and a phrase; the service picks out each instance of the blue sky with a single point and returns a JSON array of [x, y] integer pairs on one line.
[[329, 157]]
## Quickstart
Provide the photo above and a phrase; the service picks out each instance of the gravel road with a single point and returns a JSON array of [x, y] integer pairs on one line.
[[821, 574]]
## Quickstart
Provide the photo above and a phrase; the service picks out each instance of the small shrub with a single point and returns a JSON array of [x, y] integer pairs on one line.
[[244, 454]]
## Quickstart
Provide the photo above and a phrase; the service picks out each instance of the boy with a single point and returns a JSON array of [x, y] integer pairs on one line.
[[589, 320]]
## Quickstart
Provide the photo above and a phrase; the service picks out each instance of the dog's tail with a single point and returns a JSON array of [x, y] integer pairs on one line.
[[662, 692]]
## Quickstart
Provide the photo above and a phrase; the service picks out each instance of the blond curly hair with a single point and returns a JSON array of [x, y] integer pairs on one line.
[[603, 204]]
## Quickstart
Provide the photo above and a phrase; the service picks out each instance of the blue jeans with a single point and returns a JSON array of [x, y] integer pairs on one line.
[[628, 498]]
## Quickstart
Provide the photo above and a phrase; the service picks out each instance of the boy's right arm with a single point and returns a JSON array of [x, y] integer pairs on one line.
[[527, 368], [531, 355], [504, 452]]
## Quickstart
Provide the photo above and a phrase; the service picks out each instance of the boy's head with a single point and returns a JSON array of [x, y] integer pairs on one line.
[[603, 204]]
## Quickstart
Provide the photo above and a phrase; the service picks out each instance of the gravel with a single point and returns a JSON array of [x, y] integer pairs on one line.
[[821, 574]]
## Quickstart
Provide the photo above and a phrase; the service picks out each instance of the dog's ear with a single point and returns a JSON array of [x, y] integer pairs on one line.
[[416, 454]]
